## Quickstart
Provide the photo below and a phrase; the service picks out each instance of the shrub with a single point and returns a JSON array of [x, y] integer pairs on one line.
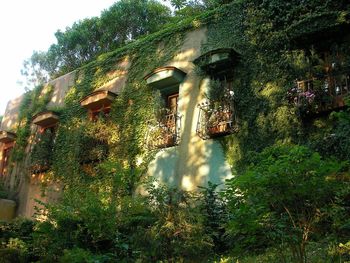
[[285, 195]]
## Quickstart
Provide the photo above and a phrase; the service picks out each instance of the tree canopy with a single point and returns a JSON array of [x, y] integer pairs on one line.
[[124, 21]]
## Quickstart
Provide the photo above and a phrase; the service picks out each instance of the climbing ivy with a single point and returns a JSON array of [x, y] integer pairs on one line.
[[271, 39], [33, 102], [119, 139]]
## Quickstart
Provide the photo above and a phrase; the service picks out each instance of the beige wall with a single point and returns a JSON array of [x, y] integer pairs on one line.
[[61, 86], [117, 78], [9, 120], [194, 161]]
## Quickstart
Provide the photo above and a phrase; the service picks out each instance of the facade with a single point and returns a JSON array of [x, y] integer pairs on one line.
[[181, 151], [211, 104]]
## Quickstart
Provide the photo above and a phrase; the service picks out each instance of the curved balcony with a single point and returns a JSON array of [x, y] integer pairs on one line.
[[320, 94], [216, 119], [163, 131]]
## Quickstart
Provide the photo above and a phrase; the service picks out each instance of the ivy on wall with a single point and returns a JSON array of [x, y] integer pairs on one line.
[[269, 41], [273, 41]]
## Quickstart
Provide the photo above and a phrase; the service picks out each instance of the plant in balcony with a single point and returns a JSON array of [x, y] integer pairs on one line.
[[162, 129], [218, 109], [41, 154], [92, 149], [312, 96]]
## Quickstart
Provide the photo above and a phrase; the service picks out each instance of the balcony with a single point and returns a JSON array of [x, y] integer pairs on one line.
[[216, 119], [7, 137], [41, 155], [92, 150], [163, 131], [321, 94], [45, 119]]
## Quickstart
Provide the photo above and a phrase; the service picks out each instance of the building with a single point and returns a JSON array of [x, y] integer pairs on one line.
[[184, 105]]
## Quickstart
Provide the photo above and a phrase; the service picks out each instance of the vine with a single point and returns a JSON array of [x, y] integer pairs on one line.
[[267, 36]]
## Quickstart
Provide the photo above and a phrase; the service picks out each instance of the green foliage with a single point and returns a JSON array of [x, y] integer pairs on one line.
[[3, 191], [124, 21], [33, 102], [215, 216], [287, 196], [177, 233], [41, 154], [336, 141], [9, 255], [283, 197], [104, 223], [16, 240]]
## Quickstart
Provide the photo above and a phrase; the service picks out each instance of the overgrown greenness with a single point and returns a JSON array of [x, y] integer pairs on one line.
[[289, 200]]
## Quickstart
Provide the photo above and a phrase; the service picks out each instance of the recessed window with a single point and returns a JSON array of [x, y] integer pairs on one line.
[[41, 155], [98, 103], [163, 131], [7, 140], [326, 84], [217, 114]]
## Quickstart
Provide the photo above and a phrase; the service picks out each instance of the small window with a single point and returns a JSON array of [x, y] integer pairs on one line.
[[6, 152], [98, 104], [94, 115], [7, 141], [163, 131], [217, 115]]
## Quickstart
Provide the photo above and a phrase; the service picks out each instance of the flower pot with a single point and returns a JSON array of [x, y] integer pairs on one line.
[[219, 129], [166, 141]]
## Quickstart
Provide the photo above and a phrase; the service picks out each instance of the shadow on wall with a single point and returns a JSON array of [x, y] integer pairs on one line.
[[10, 118], [61, 86], [201, 160], [163, 167]]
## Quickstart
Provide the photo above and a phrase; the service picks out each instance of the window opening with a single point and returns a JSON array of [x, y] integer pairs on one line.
[[6, 152]]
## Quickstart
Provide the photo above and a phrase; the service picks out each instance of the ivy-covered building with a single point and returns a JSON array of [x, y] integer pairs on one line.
[[185, 105]]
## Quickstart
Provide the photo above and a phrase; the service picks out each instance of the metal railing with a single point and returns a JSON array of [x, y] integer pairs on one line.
[[322, 93], [216, 119], [163, 131]]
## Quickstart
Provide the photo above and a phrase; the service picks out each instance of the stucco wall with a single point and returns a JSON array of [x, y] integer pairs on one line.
[[194, 161], [10, 117], [25, 187], [117, 78], [61, 87]]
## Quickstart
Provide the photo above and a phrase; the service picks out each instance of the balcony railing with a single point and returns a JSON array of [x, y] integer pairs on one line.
[[163, 132], [321, 94], [92, 150], [216, 119]]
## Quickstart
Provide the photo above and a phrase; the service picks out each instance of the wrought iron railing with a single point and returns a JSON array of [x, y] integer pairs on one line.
[[163, 131], [41, 155], [322, 93], [92, 150], [216, 119]]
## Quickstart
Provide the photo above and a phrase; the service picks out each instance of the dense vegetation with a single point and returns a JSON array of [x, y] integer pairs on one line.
[[123, 22], [289, 200]]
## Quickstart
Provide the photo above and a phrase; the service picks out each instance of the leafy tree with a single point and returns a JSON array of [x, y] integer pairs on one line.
[[124, 21], [129, 19], [283, 197], [337, 141]]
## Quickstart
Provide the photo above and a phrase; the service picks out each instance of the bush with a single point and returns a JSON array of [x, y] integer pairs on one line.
[[10, 255], [284, 197]]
